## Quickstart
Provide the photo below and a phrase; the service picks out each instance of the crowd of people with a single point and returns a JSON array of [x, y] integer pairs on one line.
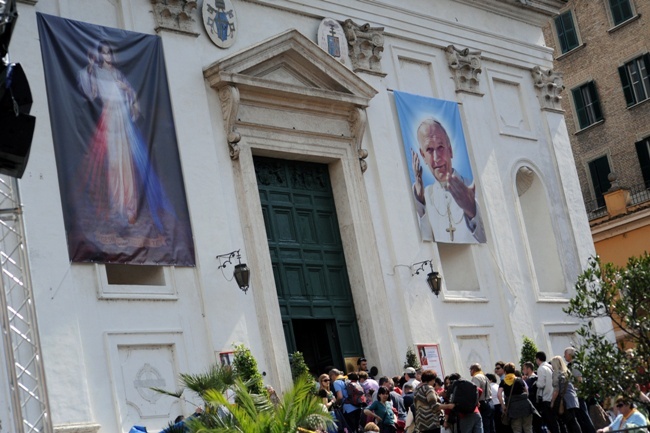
[[541, 398]]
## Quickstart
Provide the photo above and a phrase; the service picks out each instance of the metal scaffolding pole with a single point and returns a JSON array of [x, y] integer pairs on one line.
[[29, 400]]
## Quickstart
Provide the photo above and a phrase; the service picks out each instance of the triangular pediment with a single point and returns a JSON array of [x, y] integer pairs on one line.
[[290, 63]]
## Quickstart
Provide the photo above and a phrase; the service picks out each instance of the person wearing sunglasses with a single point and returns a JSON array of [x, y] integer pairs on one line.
[[324, 391], [498, 370], [328, 399], [500, 375], [628, 417]]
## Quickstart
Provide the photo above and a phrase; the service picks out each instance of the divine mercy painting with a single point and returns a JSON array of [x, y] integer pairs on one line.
[[119, 172]]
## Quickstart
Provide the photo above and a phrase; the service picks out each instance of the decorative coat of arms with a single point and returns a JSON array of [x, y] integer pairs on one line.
[[331, 38], [220, 22]]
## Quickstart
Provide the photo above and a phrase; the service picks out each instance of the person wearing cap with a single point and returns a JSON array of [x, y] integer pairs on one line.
[[409, 375]]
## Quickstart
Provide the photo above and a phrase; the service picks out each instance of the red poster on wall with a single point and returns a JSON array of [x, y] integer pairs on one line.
[[430, 359]]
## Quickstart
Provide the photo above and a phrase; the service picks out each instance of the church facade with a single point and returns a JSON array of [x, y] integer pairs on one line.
[[292, 154]]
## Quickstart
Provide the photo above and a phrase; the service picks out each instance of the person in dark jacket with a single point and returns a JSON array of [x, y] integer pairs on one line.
[[513, 397]]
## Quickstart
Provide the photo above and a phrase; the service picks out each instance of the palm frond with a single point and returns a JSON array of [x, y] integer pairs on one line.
[[248, 415], [300, 408], [217, 377], [253, 413]]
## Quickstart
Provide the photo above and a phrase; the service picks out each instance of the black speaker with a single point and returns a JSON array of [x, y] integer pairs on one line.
[[8, 17], [16, 125]]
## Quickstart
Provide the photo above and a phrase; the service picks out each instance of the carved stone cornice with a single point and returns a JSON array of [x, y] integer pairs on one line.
[[291, 84], [366, 45], [549, 85], [466, 65], [358, 120], [535, 12], [229, 97], [178, 16]]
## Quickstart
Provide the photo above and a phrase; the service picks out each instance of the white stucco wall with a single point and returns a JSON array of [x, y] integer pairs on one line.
[[92, 346]]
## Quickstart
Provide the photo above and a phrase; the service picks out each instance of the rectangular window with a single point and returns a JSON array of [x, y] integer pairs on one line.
[[587, 104], [566, 31], [621, 11], [635, 79], [643, 151], [143, 275], [599, 170]]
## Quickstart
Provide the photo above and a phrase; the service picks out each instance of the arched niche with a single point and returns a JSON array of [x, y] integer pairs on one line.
[[539, 234]]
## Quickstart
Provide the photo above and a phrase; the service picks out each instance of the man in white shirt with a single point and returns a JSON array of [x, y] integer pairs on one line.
[[409, 375], [545, 392], [486, 407]]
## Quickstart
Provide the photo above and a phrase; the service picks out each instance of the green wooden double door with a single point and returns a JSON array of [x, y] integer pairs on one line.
[[309, 268]]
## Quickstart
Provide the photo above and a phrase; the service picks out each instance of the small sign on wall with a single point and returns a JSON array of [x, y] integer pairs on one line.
[[430, 359], [226, 358]]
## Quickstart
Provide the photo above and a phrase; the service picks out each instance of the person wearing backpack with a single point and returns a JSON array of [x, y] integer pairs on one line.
[[356, 394], [464, 398], [348, 415], [351, 414]]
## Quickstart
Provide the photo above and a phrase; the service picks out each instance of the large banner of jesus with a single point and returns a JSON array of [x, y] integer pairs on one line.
[[120, 177], [442, 182]]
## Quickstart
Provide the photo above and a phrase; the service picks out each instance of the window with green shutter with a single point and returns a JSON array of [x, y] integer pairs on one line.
[[567, 34], [621, 11], [587, 105], [635, 80]]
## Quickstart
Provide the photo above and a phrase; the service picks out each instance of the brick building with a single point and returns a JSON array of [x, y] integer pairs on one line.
[[602, 47]]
